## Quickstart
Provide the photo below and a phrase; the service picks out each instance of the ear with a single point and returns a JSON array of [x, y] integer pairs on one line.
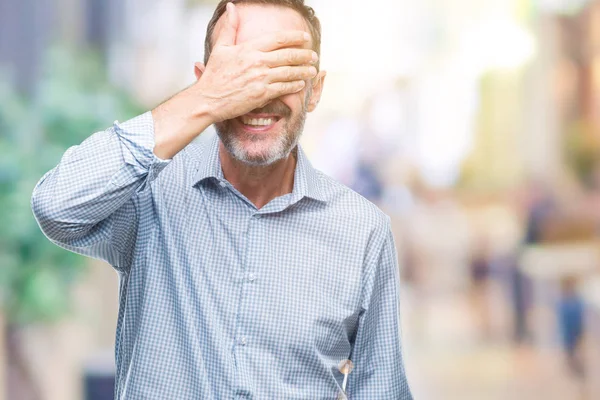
[[317, 89], [199, 70]]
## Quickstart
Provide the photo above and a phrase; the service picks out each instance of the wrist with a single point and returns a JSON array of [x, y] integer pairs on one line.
[[177, 122], [204, 111], [205, 107]]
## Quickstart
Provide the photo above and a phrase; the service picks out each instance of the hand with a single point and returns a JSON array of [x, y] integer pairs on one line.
[[240, 78], [237, 80]]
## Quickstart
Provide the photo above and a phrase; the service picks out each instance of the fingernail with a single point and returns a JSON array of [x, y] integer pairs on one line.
[[306, 36], [315, 57]]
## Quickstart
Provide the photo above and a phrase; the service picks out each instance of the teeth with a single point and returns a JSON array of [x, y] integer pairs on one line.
[[257, 121]]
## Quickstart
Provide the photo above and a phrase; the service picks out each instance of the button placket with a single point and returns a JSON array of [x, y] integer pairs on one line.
[[244, 316]]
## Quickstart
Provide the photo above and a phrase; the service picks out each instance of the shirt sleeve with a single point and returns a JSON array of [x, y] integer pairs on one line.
[[377, 353], [86, 203]]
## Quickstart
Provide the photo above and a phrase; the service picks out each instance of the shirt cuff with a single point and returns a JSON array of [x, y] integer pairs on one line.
[[137, 135]]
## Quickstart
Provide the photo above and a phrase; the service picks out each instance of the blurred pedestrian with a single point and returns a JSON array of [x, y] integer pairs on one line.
[[570, 310], [539, 206]]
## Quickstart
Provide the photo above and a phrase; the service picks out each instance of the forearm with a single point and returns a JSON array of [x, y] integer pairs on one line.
[[178, 121]]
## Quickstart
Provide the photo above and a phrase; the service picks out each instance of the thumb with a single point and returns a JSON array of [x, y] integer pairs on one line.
[[230, 26]]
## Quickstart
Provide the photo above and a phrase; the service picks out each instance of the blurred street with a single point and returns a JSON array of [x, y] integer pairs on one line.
[[449, 360]]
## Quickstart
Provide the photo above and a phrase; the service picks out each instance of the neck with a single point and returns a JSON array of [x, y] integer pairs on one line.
[[260, 184]]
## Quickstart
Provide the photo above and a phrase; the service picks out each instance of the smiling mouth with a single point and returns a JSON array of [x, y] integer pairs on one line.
[[258, 123]]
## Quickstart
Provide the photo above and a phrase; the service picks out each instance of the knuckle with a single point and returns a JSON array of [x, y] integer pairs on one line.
[[275, 89], [282, 57], [260, 90], [289, 73], [289, 87], [255, 60], [290, 57], [258, 76], [244, 64], [281, 39], [255, 73]]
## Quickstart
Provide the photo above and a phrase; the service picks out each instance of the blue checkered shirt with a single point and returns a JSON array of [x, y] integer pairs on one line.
[[219, 299]]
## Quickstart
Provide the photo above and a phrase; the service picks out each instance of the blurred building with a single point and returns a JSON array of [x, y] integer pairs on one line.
[[29, 27]]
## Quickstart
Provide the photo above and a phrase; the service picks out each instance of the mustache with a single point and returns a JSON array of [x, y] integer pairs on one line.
[[276, 107]]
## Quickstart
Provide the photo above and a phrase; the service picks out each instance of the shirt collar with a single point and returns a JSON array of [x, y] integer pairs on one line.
[[209, 165], [307, 182]]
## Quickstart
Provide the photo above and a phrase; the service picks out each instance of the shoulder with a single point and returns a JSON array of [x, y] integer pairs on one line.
[[358, 212]]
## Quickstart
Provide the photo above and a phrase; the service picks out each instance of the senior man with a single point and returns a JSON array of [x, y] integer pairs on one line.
[[244, 272]]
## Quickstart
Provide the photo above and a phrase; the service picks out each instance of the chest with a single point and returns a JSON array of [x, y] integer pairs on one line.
[[295, 273]]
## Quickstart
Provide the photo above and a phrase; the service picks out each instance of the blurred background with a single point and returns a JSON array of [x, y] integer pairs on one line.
[[475, 124]]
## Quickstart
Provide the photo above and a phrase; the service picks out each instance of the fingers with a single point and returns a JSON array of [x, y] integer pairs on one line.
[[280, 40], [278, 58], [290, 74], [230, 27], [278, 89]]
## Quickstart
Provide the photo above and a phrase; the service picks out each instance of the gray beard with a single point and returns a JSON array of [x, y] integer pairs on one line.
[[280, 149]]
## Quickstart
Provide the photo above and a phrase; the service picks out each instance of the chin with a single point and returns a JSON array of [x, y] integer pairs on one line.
[[258, 155], [254, 149]]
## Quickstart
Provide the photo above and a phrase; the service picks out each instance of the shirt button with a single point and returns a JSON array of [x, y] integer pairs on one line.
[[251, 277], [257, 216], [243, 341]]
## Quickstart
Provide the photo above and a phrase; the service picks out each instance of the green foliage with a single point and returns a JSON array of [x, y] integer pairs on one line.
[[73, 100]]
